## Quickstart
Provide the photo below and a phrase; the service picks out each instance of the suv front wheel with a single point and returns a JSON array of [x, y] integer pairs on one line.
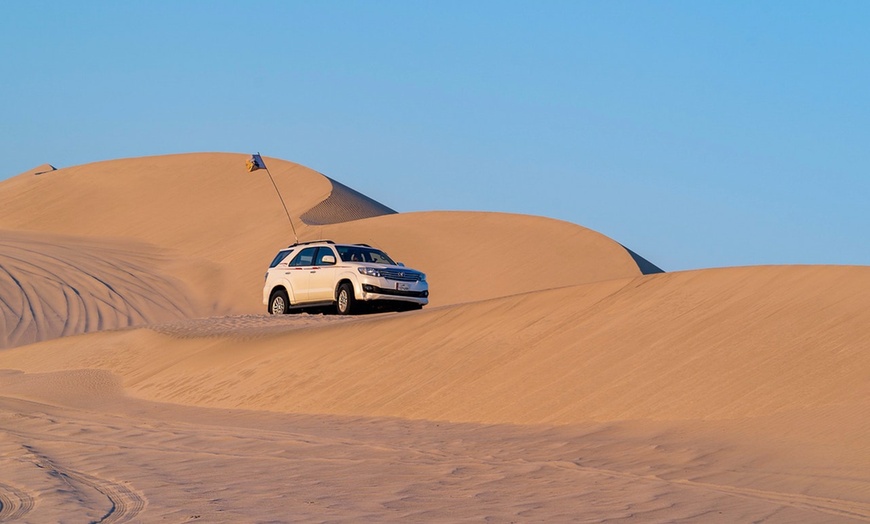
[[344, 299], [279, 302]]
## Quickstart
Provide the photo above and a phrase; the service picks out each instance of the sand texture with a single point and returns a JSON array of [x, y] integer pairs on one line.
[[549, 380], [343, 205]]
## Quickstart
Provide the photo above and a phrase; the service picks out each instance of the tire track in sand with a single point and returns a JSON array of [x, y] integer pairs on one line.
[[14, 503], [53, 286], [837, 507], [125, 503]]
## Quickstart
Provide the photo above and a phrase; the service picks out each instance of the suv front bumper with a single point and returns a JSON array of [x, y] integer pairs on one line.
[[383, 289]]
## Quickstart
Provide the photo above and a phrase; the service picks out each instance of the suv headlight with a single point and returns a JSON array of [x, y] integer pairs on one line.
[[422, 277], [370, 271]]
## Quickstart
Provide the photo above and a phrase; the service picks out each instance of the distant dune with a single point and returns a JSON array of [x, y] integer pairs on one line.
[[555, 376]]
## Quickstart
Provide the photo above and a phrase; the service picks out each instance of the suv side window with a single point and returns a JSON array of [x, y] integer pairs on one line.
[[279, 257], [304, 258], [322, 252]]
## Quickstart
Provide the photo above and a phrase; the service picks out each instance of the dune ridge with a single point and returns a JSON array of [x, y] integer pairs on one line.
[[38, 170]]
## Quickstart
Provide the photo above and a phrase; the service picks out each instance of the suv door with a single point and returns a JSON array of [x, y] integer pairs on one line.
[[321, 284], [299, 274]]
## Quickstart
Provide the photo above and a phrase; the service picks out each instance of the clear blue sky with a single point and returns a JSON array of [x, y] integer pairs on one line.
[[697, 133]]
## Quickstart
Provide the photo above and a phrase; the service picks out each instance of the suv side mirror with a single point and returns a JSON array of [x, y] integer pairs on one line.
[[328, 260]]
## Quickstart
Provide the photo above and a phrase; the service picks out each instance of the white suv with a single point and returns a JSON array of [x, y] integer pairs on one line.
[[323, 273]]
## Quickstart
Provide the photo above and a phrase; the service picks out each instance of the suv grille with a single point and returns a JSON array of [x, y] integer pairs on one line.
[[401, 275]]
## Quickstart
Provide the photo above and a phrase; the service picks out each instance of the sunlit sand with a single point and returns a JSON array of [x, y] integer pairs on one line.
[[549, 379]]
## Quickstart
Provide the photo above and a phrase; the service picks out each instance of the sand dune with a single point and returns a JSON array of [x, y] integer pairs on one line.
[[205, 207], [223, 224], [550, 379], [741, 391], [705, 345], [190, 202], [474, 256]]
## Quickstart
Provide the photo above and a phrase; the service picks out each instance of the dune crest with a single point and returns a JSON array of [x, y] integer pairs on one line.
[[39, 170]]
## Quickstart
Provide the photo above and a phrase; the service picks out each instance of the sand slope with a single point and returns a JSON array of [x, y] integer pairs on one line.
[[134, 461], [53, 286], [705, 345], [195, 203], [746, 389]]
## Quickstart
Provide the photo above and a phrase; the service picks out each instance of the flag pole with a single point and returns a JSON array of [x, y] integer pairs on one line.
[[281, 198]]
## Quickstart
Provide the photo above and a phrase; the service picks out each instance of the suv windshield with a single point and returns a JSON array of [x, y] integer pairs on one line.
[[363, 254]]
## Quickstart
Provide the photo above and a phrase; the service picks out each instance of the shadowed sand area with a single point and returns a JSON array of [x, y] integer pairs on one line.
[[343, 205], [541, 384]]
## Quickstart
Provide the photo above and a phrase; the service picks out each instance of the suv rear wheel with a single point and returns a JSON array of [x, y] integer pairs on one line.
[[279, 303], [344, 300]]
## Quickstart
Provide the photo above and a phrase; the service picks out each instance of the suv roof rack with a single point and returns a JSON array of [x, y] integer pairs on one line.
[[312, 242], [363, 245]]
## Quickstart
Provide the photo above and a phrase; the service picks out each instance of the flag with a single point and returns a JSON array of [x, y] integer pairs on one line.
[[255, 163]]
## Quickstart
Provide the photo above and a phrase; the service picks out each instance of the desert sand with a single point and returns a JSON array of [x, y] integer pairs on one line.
[[553, 377]]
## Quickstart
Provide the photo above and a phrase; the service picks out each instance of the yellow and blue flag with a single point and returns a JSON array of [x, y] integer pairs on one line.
[[255, 163]]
